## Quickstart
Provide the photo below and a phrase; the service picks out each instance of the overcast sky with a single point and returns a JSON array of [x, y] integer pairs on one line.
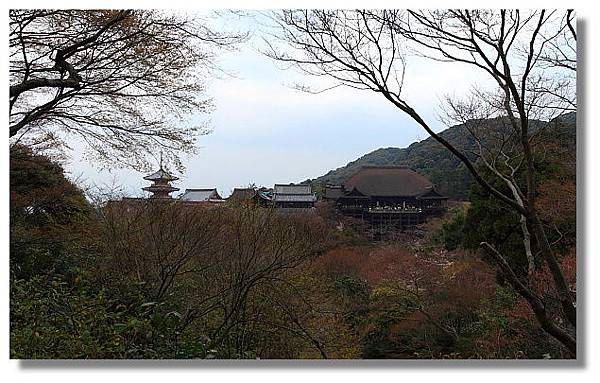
[[265, 132]]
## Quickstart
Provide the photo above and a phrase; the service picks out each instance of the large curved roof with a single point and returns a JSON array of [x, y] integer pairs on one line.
[[388, 181]]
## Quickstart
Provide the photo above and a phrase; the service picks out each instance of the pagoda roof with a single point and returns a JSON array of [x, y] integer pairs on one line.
[[160, 174], [388, 181], [160, 188]]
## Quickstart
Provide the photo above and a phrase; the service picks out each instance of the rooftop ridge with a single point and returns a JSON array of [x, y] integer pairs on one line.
[[201, 189], [292, 184], [292, 189]]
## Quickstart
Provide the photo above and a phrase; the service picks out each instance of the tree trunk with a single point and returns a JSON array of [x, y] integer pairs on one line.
[[566, 297]]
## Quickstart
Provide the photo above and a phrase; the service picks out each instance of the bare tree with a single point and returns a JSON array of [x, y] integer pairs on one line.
[[155, 243], [365, 49], [209, 262], [498, 149], [122, 81], [562, 48], [258, 245]]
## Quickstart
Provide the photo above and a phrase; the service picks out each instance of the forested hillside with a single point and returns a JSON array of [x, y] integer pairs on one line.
[[431, 159]]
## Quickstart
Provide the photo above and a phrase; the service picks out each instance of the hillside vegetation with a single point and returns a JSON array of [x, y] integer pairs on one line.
[[431, 159]]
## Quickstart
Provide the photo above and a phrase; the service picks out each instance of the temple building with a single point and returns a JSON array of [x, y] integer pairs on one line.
[[161, 184], [261, 197], [387, 196], [242, 194], [291, 196], [201, 196]]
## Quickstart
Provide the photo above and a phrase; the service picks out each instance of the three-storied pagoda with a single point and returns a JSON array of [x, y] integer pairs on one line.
[[161, 183]]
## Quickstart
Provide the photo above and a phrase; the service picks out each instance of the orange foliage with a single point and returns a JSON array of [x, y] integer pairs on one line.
[[542, 280], [466, 278], [372, 264], [557, 199]]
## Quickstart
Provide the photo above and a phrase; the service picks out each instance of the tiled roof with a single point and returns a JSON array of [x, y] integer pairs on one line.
[[384, 181], [333, 192], [160, 174], [242, 194], [292, 189], [266, 195], [160, 188], [293, 193], [200, 195], [431, 194]]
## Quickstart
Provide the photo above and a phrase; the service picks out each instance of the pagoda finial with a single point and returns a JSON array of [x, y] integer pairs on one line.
[[161, 160]]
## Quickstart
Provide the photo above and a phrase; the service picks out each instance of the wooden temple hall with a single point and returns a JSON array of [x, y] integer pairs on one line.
[[387, 197]]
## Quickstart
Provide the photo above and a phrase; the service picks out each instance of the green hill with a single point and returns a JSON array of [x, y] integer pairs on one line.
[[431, 159]]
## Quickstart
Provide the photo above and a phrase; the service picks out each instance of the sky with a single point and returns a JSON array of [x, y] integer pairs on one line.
[[265, 132]]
